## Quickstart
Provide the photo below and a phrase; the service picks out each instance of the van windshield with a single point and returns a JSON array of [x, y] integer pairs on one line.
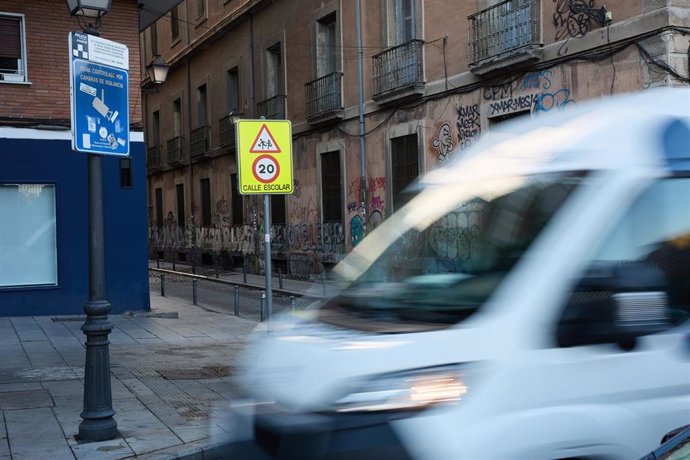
[[438, 259]]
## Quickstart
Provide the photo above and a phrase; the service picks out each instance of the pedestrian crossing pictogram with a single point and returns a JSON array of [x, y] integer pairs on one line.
[[264, 142]]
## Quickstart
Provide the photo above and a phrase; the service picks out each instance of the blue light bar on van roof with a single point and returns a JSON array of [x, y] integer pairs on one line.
[[676, 145]]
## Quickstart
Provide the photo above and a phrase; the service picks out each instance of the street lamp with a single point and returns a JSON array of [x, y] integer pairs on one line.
[[157, 70], [89, 10], [97, 422]]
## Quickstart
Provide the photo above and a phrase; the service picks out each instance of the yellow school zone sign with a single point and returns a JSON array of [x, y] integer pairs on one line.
[[264, 156]]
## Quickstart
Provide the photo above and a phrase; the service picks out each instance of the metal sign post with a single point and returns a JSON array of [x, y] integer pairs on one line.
[[99, 93], [264, 159]]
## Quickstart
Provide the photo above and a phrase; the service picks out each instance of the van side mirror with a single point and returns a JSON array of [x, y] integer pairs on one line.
[[616, 303]]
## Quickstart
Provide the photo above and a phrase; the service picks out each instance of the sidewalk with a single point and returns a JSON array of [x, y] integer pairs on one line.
[[170, 376]]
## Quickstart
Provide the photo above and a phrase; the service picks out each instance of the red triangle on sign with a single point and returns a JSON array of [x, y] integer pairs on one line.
[[264, 142]]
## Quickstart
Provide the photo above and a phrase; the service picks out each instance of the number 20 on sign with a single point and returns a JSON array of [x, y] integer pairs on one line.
[[264, 156]]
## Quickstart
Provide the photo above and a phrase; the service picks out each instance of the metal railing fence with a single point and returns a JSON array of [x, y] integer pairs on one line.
[[241, 299], [398, 66], [503, 28], [323, 94]]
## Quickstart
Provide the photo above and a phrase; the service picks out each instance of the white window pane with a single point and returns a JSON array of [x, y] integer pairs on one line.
[[28, 250]]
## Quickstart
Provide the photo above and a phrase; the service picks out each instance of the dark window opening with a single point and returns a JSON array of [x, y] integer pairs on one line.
[[180, 205], [331, 192], [205, 202], [154, 39], [202, 106], [159, 207], [177, 117], [200, 8], [278, 209], [174, 24], [234, 90], [326, 45], [156, 129], [404, 165], [125, 172], [274, 69], [237, 207], [11, 45]]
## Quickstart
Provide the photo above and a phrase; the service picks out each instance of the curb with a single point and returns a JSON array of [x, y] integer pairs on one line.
[[213, 448]]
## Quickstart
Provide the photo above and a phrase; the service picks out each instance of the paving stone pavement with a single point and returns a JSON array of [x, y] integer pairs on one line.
[[171, 380]]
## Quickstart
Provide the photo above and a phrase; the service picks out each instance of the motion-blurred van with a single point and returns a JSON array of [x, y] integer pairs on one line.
[[530, 301]]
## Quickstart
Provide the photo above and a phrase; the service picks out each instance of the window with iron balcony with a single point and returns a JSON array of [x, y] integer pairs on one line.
[[505, 34], [399, 72]]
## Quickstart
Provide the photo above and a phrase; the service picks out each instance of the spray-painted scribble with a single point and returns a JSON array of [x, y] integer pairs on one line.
[[222, 214], [356, 230], [557, 100], [523, 103], [300, 265], [495, 92], [279, 246], [302, 237], [536, 80], [571, 18], [468, 124], [333, 238], [375, 219], [443, 142]]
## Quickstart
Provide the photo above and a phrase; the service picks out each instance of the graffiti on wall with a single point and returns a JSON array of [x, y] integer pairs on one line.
[[222, 213], [279, 246], [571, 18], [455, 236], [468, 124], [532, 92], [514, 104], [556, 100], [356, 230], [443, 142], [376, 192], [170, 235], [300, 265], [333, 242]]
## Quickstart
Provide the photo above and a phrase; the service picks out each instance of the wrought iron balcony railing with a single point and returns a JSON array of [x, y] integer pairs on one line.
[[200, 141], [226, 132], [153, 157], [323, 94], [500, 30], [176, 153], [272, 108], [398, 67]]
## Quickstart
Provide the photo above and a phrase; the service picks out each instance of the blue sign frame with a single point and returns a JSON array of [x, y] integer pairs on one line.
[[100, 105]]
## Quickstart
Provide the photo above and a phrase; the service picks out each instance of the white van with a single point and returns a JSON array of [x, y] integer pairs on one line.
[[531, 301]]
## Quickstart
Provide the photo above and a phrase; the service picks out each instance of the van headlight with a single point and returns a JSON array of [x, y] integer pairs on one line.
[[408, 390]]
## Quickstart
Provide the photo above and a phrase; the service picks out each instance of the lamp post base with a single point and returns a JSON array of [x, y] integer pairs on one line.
[[98, 423], [98, 429]]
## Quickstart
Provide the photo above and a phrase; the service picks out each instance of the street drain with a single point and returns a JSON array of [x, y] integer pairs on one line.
[[194, 374]]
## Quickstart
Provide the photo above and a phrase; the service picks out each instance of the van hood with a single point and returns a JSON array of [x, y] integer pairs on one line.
[[307, 365]]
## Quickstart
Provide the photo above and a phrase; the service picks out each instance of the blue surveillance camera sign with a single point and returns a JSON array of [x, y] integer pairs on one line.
[[99, 92]]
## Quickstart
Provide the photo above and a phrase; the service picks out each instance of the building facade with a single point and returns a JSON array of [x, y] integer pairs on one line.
[[434, 76], [44, 264]]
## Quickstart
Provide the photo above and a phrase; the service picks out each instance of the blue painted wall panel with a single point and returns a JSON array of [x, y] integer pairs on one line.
[[54, 162]]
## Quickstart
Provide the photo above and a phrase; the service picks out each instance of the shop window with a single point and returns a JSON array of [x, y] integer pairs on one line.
[[28, 247]]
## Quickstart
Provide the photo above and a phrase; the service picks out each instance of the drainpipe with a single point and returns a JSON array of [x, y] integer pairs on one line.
[[362, 148], [251, 66], [191, 166], [252, 114], [189, 138]]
